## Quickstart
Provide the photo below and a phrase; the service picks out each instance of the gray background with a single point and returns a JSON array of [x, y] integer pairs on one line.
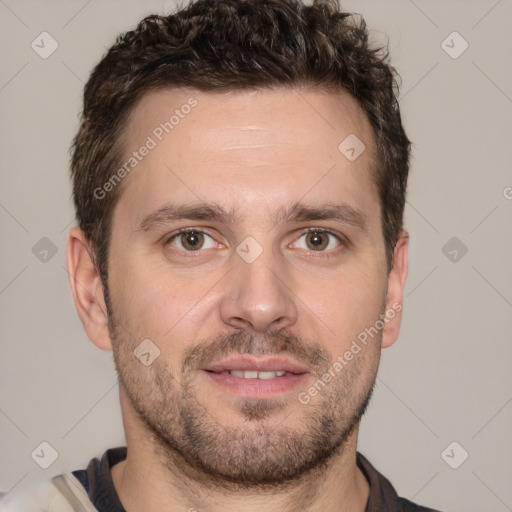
[[447, 378]]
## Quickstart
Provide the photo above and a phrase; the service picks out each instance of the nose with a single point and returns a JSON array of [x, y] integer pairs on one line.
[[258, 296]]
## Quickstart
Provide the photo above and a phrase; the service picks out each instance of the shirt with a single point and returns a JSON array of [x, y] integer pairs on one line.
[[97, 481]]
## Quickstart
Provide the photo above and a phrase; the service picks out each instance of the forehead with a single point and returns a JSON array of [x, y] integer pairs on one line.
[[264, 147]]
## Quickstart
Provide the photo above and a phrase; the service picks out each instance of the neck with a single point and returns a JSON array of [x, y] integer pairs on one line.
[[154, 478]]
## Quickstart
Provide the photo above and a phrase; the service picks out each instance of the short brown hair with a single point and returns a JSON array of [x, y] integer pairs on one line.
[[236, 45]]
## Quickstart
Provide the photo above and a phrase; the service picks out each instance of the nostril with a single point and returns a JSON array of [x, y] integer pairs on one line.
[[240, 323]]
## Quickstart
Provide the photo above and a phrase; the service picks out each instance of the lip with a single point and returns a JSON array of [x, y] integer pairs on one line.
[[296, 374], [257, 364]]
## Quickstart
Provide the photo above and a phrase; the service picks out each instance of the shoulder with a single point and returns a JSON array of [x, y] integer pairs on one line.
[[63, 493], [382, 493], [408, 506]]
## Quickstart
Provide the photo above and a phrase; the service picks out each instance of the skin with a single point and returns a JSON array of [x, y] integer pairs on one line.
[[253, 153]]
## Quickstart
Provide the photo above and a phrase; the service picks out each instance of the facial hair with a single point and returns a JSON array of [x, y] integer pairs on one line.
[[256, 452]]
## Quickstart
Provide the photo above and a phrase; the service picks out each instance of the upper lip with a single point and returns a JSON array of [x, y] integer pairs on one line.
[[257, 364]]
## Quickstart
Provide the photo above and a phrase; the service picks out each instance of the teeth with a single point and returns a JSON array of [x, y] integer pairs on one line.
[[256, 375], [267, 375]]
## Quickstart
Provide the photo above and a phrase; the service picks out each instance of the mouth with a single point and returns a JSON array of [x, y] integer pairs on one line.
[[257, 377], [249, 374]]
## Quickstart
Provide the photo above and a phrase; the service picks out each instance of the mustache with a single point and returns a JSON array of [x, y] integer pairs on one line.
[[304, 351]]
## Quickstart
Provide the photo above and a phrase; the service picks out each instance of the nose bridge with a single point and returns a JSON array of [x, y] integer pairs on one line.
[[258, 296]]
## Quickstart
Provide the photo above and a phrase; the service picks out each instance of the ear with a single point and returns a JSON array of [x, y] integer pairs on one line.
[[395, 293], [87, 289]]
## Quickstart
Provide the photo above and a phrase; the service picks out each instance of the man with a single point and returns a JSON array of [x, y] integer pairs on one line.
[[239, 180]]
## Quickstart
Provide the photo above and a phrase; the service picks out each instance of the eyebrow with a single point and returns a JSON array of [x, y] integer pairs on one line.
[[298, 212], [341, 212]]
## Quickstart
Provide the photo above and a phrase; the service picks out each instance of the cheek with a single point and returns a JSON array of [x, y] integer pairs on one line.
[[348, 305], [158, 304], [174, 309]]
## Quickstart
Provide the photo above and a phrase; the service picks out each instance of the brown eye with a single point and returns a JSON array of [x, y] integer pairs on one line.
[[317, 241], [192, 240]]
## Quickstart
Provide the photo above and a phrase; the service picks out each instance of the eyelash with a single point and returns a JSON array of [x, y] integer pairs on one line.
[[325, 254], [322, 254]]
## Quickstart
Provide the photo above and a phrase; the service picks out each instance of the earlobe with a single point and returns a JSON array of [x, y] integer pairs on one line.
[[396, 284], [87, 289]]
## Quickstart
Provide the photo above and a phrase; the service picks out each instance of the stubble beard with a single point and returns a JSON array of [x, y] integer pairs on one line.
[[257, 453]]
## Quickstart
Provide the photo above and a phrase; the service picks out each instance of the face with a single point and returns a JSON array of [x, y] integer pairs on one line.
[[248, 249]]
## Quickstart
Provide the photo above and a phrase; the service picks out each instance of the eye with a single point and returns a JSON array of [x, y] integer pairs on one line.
[[318, 240], [191, 240]]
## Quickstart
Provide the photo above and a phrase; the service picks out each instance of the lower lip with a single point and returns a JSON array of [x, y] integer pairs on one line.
[[258, 388]]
